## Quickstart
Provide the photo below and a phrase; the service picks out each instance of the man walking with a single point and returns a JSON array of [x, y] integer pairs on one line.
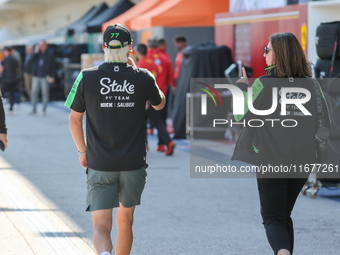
[[3, 126], [162, 50], [163, 80], [180, 43], [162, 47], [147, 63], [113, 95], [28, 70], [9, 70], [43, 73], [144, 61]]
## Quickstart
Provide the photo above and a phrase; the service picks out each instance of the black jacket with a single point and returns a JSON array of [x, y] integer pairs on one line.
[[3, 126], [279, 145], [49, 63], [10, 69]]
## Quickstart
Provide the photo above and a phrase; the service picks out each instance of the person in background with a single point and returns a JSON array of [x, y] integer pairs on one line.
[[9, 70], [1, 57], [3, 126], [180, 43], [162, 50], [163, 80], [144, 61], [20, 84], [162, 60], [43, 71], [147, 63], [28, 70], [18, 58], [163, 47]]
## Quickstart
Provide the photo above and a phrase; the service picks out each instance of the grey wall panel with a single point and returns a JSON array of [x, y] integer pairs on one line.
[[134, 38], [157, 32], [194, 35]]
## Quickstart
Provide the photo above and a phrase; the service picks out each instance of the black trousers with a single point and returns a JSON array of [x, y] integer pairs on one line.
[[11, 88], [277, 198], [156, 120]]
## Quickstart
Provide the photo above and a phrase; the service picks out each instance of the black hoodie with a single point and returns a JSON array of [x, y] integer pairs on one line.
[[279, 145]]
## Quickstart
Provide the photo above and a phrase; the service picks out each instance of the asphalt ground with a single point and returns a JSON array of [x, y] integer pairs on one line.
[[178, 214]]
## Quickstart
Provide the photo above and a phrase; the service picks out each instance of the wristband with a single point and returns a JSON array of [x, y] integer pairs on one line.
[[82, 153]]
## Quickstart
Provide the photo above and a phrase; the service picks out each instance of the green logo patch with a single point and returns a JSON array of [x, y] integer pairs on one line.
[[115, 35]]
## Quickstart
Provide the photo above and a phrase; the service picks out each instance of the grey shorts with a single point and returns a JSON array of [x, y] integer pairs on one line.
[[106, 189]]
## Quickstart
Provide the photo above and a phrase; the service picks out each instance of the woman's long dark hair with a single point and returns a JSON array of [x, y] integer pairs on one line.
[[289, 58]]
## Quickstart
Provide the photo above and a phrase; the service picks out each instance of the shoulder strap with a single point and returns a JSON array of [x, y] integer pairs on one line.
[[318, 97]]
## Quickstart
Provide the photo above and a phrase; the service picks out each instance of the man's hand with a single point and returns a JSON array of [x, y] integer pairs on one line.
[[131, 62], [244, 78], [83, 161], [4, 139], [52, 80]]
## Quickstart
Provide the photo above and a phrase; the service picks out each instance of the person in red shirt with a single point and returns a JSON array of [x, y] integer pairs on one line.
[[163, 80], [144, 61], [163, 47], [155, 116], [147, 63], [165, 68], [180, 43]]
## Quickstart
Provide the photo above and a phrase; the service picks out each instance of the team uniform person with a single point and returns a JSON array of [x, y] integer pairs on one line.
[[158, 118], [113, 95], [147, 63], [180, 43]]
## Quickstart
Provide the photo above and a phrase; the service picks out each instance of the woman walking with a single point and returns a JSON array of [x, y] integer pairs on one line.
[[288, 140]]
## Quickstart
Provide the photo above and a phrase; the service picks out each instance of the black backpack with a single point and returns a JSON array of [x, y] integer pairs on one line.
[[327, 35]]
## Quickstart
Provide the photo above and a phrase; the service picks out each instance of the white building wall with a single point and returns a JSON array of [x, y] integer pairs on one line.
[[50, 17]]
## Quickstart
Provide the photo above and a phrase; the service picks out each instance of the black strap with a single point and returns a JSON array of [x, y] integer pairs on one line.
[[322, 132], [319, 107]]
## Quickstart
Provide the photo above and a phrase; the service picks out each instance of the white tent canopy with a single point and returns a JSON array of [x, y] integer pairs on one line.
[[29, 40], [32, 39], [7, 35]]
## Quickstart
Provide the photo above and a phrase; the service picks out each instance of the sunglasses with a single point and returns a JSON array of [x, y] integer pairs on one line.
[[266, 50]]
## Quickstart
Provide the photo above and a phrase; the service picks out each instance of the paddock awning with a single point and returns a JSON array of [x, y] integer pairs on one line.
[[80, 25], [181, 13], [138, 9], [95, 25]]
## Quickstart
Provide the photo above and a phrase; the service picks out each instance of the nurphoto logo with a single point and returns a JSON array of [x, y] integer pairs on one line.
[[293, 96], [238, 99]]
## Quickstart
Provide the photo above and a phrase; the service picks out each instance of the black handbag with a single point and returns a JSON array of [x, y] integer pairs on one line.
[[322, 132]]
